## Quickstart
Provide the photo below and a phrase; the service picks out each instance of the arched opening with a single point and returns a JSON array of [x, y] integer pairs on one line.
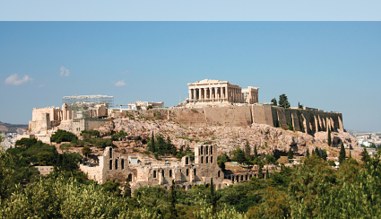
[[170, 173], [202, 150], [116, 164], [219, 173], [206, 150], [154, 174], [187, 172], [206, 159], [211, 159], [122, 164], [110, 152], [194, 172], [202, 159], [129, 178], [186, 160], [211, 150], [110, 165], [246, 177], [162, 173]]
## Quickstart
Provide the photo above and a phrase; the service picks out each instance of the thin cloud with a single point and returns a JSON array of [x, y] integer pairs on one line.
[[120, 83], [64, 72], [16, 80]]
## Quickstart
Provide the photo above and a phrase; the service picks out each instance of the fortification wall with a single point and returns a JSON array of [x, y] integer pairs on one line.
[[304, 120]]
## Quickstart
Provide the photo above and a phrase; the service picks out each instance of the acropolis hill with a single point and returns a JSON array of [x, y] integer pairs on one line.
[[216, 115]]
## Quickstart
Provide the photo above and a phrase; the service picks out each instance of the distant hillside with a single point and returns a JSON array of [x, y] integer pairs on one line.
[[11, 128]]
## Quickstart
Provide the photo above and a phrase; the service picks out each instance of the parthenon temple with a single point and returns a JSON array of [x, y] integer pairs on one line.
[[215, 91]]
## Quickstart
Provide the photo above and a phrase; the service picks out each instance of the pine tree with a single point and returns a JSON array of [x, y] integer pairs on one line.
[[283, 101], [274, 102], [342, 154]]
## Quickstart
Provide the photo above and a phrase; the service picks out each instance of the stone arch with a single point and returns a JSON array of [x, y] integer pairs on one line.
[[170, 173], [186, 160], [154, 174], [211, 150], [211, 159], [202, 150], [219, 173], [129, 178]]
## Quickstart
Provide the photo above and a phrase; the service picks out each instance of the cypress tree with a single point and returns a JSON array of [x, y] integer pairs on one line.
[[342, 154], [213, 198], [260, 171], [329, 137], [173, 201]]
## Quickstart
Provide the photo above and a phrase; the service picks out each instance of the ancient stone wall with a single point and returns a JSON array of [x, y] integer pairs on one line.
[[307, 120], [304, 120]]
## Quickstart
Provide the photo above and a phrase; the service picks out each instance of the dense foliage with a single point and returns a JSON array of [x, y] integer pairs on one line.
[[311, 190], [63, 136]]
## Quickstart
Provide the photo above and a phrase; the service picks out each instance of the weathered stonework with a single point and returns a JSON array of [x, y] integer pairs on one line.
[[211, 92], [46, 120], [140, 170]]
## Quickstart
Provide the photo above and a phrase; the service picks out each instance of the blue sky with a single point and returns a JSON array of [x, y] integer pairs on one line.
[[195, 10], [329, 65]]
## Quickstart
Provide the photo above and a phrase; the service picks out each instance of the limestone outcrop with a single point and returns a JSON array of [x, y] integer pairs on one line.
[[265, 137]]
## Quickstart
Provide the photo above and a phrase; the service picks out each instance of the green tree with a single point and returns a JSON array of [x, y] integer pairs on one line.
[[342, 154], [283, 101], [247, 151], [151, 144], [63, 136], [300, 106], [173, 201], [86, 151], [365, 157], [260, 171], [119, 136], [274, 102], [255, 151], [239, 156], [221, 160]]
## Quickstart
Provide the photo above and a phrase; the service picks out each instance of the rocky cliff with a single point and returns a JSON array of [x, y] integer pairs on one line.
[[265, 137]]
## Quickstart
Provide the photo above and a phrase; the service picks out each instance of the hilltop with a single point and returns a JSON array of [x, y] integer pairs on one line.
[[264, 137], [12, 128]]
